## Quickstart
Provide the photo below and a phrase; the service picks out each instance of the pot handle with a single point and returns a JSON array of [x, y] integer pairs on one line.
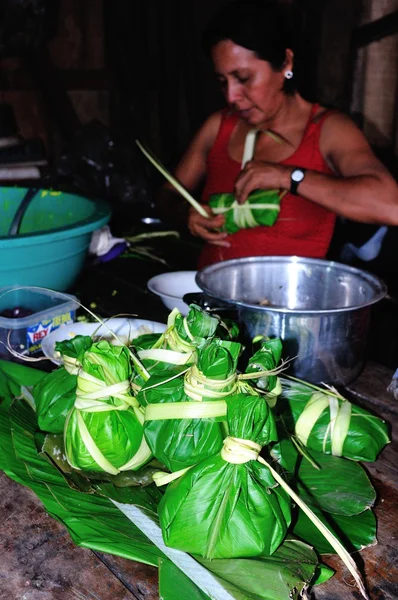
[[205, 302]]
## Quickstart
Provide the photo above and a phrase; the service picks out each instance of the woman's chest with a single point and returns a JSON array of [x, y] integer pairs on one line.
[[269, 146]]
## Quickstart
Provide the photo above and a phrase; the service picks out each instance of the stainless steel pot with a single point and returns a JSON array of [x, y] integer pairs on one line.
[[320, 309]]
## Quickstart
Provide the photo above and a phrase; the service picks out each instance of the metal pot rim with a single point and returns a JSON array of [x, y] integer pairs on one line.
[[378, 284]]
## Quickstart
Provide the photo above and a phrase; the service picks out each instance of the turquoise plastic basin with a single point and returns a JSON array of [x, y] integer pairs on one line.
[[53, 240]]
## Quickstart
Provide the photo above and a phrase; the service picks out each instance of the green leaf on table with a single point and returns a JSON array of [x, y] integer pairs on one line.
[[354, 532], [174, 584], [86, 516], [340, 486], [281, 576]]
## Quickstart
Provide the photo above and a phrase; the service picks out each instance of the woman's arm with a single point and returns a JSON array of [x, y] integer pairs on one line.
[[363, 190], [190, 172]]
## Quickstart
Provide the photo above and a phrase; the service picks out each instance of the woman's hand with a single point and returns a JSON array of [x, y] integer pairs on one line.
[[259, 175], [207, 228]]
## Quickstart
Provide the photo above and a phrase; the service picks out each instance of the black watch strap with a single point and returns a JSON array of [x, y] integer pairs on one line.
[[296, 178]]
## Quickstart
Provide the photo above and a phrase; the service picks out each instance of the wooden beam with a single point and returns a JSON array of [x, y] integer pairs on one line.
[[376, 30]]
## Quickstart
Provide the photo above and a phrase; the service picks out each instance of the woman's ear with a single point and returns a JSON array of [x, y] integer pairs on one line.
[[289, 60]]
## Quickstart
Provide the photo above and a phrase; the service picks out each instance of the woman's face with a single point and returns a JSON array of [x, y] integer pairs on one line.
[[250, 85]]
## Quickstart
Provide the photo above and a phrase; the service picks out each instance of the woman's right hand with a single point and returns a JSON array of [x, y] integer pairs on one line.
[[207, 228]]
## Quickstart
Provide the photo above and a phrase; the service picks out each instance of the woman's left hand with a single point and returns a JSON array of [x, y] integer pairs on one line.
[[259, 175]]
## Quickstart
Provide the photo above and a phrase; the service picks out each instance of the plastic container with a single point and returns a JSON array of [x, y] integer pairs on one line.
[[53, 240], [49, 310]]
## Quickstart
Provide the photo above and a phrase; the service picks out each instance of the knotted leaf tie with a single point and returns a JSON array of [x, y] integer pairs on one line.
[[340, 417]]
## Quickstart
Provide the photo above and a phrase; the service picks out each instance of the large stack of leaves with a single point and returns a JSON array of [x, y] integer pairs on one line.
[[104, 429], [191, 435], [55, 394], [229, 505], [322, 419], [261, 208], [178, 344]]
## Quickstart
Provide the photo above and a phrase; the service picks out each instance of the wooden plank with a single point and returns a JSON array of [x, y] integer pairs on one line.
[[39, 560]]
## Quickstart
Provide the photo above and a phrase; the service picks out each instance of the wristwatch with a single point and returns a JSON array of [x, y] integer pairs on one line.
[[296, 178]]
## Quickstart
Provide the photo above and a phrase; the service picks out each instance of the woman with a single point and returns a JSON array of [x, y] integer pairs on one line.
[[317, 155]]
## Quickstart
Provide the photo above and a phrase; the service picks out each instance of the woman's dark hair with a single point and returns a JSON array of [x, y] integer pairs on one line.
[[263, 26]]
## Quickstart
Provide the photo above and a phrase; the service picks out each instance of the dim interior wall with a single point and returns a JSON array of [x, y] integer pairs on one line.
[[77, 46], [376, 81]]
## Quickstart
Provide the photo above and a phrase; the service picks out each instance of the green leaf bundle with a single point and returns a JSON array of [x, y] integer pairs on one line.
[[267, 359], [229, 505], [182, 441], [178, 344], [324, 420], [261, 208], [55, 394], [104, 429]]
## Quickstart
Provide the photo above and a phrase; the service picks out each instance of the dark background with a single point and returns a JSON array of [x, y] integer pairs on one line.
[[89, 77]]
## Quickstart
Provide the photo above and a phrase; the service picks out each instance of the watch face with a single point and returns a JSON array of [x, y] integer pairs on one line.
[[297, 175]]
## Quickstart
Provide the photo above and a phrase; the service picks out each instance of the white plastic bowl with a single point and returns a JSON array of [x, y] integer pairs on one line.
[[125, 329], [171, 288]]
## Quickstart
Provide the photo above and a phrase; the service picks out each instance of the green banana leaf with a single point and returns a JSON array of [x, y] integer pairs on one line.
[[329, 483], [290, 568], [288, 571], [243, 216], [219, 509], [174, 584], [339, 486], [354, 532], [54, 396], [105, 432], [93, 521], [365, 435], [339, 492], [145, 341], [180, 443]]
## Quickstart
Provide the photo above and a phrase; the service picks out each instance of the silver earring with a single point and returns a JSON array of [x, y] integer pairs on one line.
[[288, 74]]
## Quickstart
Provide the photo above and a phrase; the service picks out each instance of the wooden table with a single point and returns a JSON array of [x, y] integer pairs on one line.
[[40, 562]]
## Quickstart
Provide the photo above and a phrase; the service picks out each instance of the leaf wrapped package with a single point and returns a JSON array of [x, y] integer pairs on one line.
[[104, 429], [325, 421], [267, 359], [178, 344], [182, 441], [229, 505], [55, 394], [261, 208]]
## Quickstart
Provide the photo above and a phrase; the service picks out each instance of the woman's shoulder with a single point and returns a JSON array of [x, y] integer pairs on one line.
[[216, 123], [330, 115]]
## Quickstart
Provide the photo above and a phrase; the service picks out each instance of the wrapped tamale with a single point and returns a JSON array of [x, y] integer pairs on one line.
[[104, 429], [229, 505], [261, 208], [55, 394], [324, 420], [183, 440]]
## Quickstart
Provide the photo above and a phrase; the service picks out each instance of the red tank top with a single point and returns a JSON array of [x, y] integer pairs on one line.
[[303, 228]]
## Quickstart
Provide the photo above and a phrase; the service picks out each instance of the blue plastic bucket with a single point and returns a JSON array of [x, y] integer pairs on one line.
[[53, 240]]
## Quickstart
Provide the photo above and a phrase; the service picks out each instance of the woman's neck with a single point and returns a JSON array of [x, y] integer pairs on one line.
[[292, 110]]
